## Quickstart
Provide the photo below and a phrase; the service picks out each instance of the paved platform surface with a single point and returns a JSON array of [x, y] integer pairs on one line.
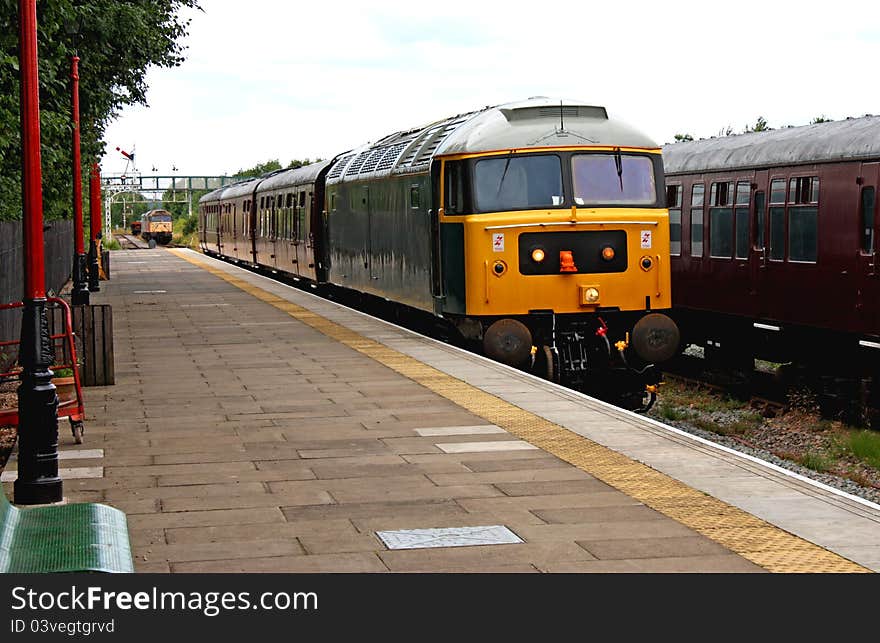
[[254, 427]]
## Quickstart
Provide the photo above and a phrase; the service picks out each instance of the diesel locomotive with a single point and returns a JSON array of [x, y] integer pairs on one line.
[[536, 230], [156, 227], [774, 250]]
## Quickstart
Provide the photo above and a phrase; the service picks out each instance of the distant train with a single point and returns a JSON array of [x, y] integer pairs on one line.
[[136, 227], [156, 227], [536, 230], [774, 249]]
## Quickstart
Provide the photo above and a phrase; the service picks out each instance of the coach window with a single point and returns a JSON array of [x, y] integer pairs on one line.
[[721, 220], [759, 220], [867, 220], [803, 214], [673, 202], [697, 194], [741, 225], [777, 219]]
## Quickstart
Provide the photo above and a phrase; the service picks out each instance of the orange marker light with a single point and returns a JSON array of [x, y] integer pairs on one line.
[[608, 253], [566, 261]]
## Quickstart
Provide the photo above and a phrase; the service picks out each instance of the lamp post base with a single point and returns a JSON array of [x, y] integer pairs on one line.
[[38, 481], [80, 294]]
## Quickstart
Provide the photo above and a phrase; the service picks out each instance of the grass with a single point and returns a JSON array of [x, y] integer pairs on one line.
[[815, 461], [109, 243], [865, 445], [184, 233]]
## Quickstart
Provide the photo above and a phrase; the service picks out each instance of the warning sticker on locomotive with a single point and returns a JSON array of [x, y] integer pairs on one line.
[[646, 239], [498, 242]]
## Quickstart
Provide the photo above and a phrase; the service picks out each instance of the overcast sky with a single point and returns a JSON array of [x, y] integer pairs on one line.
[[269, 79]]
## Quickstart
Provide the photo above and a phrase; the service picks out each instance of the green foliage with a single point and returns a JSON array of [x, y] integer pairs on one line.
[[683, 138], [117, 43], [259, 169], [821, 119], [759, 126], [295, 163], [190, 224]]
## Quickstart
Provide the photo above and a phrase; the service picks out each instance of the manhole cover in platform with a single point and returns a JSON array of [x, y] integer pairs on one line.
[[448, 537]]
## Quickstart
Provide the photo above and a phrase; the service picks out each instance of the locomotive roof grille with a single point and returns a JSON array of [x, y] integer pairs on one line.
[[355, 166], [372, 160], [530, 124], [390, 156], [339, 166]]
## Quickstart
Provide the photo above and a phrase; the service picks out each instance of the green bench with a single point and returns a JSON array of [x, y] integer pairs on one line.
[[84, 537]]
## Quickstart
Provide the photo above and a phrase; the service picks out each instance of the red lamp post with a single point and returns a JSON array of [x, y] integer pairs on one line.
[[80, 294], [94, 227], [38, 481]]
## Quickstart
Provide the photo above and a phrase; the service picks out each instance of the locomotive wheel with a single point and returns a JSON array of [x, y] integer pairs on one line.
[[545, 364], [508, 341]]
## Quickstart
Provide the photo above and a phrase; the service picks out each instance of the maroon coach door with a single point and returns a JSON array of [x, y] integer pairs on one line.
[[869, 247]]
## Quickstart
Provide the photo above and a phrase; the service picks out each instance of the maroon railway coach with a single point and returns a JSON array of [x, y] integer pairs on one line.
[[775, 243]]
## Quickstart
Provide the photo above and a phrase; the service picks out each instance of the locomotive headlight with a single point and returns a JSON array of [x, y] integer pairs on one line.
[[608, 253], [538, 255], [591, 295]]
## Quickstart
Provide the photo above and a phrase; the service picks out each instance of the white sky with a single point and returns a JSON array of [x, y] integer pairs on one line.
[[270, 79]]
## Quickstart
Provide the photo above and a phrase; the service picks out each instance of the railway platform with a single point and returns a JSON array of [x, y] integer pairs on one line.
[[254, 427]]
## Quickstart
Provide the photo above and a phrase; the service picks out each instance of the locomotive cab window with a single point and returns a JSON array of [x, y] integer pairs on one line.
[[518, 182], [454, 188], [613, 179]]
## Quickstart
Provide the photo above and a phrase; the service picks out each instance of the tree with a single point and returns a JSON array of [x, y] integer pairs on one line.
[[683, 138], [759, 126], [117, 43], [259, 169], [295, 163]]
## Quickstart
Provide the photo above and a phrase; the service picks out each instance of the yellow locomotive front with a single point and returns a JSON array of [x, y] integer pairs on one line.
[[555, 251]]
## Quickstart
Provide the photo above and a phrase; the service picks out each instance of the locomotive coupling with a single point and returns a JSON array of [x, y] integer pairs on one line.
[[655, 338]]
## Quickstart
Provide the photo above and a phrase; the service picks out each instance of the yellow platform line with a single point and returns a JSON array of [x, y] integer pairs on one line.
[[766, 545]]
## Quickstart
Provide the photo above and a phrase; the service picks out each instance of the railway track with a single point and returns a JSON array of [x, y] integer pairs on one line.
[[771, 391], [130, 242]]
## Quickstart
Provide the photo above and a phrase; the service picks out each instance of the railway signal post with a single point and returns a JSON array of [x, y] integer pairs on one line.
[[80, 294], [38, 481]]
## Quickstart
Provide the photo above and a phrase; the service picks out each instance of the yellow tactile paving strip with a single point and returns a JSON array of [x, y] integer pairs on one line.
[[752, 538]]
